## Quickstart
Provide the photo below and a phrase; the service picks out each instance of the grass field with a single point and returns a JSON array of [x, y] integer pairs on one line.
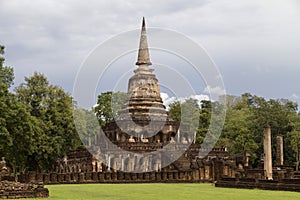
[[162, 191]]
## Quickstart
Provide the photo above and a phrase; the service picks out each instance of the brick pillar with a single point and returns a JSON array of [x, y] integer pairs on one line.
[[158, 176], [267, 153], [31, 177], [279, 150]]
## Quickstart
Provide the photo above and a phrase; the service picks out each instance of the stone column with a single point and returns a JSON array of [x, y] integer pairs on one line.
[[108, 164], [178, 136], [267, 153], [279, 150]]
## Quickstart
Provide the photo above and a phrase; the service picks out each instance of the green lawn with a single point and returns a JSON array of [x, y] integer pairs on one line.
[[162, 191]]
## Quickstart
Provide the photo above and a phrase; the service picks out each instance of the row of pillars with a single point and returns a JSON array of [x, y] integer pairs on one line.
[[268, 168]]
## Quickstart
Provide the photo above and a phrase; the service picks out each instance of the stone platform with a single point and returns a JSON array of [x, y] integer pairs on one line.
[[16, 190]]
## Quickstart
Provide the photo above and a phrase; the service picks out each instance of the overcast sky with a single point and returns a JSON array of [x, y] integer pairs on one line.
[[254, 43]]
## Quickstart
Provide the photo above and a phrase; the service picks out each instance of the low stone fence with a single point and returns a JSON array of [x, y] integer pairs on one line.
[[251, 183], [113, 177]]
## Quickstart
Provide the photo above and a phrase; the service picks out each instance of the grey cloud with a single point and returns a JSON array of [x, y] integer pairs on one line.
[[54, 37]]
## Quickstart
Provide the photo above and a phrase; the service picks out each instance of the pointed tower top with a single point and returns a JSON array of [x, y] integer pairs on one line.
[[143, 24], [143, 56]]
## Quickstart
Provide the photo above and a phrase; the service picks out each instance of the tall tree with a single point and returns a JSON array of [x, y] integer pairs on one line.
[[293, 138], [52, 108], [187, 113], [204, 120], [6, 80], [16, 123]]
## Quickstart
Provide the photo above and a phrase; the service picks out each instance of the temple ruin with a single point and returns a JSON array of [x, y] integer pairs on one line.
[[144, 144]]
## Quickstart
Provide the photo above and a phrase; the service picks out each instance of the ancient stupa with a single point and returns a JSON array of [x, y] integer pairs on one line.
[[144, 100], [144, 113], [142, 143]]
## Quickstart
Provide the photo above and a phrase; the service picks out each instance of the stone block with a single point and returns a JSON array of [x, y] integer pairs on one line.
[[121, 176], [88, 176], [141, 176], [158, 176], [53, 178], [127, 176], [170, 175], [164, 176], [95, 176], [67, 178], [133, 176], [152, 176], [175, 175], [61, 178], [81, 178], [46, 178], [114, 176], [101, 177]]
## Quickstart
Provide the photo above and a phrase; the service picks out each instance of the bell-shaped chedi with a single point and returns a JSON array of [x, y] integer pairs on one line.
[[144, 100]]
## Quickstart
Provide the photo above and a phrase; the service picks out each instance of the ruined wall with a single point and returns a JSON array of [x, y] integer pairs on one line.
[[197, 171], [16, 190]]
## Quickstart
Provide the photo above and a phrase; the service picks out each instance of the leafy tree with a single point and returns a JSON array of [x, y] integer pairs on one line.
[[277, 114], [187, 113], [175, 111], [237, 132], [21, 126], [16, 124], [293, 138], [204, 120], [108, 106], [87, 125], [51, 106], [6, 78]]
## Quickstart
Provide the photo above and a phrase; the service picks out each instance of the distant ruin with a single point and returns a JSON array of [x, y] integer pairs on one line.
[[9, 189], [268, 177]]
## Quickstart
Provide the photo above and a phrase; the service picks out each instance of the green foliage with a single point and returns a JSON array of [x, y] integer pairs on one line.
[[36, 123], [175, 111], [108, 106], [52, 108], [243, 129], [204, 121], [246, 117], [187, 113], [15, 122], [237, 130], [87, 125], [294, 138]]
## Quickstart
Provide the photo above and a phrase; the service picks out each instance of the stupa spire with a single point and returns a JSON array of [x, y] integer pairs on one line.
[[143, 55]]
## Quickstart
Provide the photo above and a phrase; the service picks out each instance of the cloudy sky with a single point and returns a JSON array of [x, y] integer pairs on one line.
[[255, 44]]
